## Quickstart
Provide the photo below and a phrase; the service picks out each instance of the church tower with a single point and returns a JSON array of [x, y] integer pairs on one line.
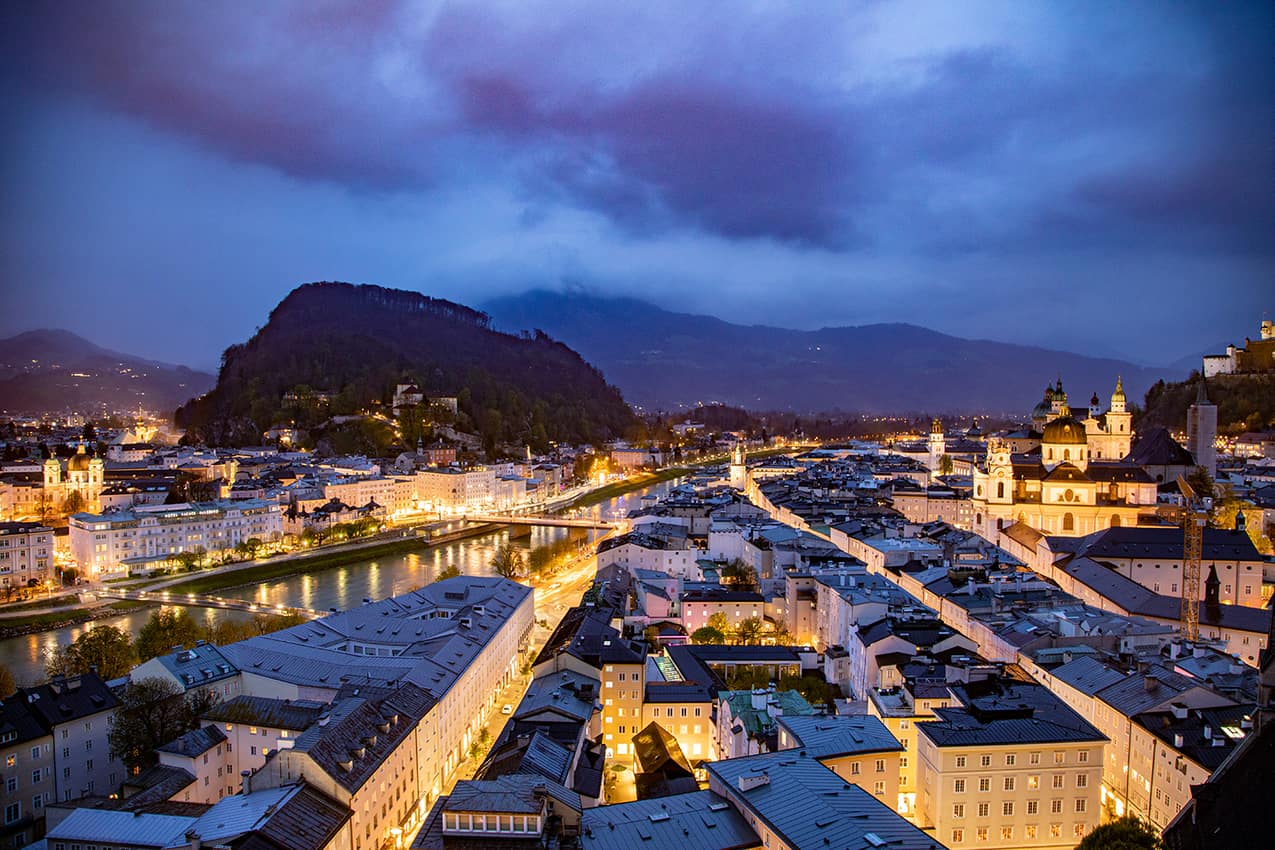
[[1201, 430], [739, 466], [52, 471], [1119, 424], [1000, 473], [938, 444]]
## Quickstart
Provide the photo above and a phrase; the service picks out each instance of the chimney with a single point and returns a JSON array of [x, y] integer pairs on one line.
[[1208, 733], [1177, 740], [1150, 683], [193, 839], [245, 781], [1179, 711], [758, 699]]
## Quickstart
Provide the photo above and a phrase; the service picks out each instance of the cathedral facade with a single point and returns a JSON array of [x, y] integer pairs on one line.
[[1075, 483]]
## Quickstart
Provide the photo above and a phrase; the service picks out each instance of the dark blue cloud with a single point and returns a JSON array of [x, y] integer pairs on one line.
[[885, 162]]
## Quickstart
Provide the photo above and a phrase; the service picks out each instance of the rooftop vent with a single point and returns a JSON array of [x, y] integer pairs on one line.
[[749, 782]]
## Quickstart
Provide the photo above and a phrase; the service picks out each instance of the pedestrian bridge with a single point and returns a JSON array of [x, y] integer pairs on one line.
[[175, 597], [552, 521]]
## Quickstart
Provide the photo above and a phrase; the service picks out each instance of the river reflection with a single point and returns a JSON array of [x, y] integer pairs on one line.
[[338, 587]]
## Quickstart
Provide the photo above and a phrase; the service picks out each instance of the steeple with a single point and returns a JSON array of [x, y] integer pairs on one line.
[[1117, 397]]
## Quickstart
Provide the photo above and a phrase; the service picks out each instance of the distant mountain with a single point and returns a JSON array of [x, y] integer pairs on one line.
[[52, 371], [667, 360], [352, 344]]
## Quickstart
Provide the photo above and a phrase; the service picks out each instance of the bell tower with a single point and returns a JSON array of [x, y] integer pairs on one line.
[[739, 466], [937, 444]]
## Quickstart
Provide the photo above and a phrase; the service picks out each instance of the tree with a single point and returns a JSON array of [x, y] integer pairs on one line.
[[707, 634], [1202, 483], [719, 622], [507, 562], [165, 629], [73, 503], [1127, 833], [652, 636], [7, 685], [450, 571], [739, 575], [105, 647], [750, 631], [945, 465], [152, 712]]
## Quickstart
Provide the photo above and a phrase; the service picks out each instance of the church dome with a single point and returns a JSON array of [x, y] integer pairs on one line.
[[79, 462], [1045, 407], [1065, 430]]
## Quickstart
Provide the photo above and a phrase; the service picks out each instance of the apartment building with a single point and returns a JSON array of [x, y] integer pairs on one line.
[[859, 749], [26, 772], [78, 712], [1012, 766], [26, 554]]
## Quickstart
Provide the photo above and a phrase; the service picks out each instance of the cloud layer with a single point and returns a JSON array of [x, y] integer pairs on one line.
[[770, 162]]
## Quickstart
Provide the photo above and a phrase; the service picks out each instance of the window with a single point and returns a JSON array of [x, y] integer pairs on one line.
[[959, 786], [1078, 830], [12, 812], [960, 761], [1033, 807], [1055, 806], [11, 784], [1082, 781], [37, 802], [982, 833], [985, 761], [35, 776], [1058, 757], [879, 789], [1033, 758], [1033, 782], [984, 810], [1080, 804], [854, 769], [958, 835], [11, 759], [35, 752], [1082, 756], [1031, 830], [1010, 758], [985, 784], [1009, 783], [958, 810], [1055, 830], [880, 765], [66, 752], [1007, 833], [1058, 780], [903, 762]]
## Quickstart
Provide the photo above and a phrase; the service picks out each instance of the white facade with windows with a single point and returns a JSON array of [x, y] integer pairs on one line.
[[110, 543]]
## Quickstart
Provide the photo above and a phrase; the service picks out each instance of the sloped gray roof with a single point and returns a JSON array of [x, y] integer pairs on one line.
[[700, 820]]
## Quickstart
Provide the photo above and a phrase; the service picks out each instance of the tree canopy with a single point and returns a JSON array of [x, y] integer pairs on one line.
[[508, 562], [106, 648], [1127, 833]]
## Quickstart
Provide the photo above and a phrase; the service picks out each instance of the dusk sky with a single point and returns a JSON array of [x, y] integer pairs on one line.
[[1098, 177]]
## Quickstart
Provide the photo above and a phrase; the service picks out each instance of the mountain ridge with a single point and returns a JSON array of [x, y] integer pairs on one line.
[[357, 342], [662, 359], [55, 370]]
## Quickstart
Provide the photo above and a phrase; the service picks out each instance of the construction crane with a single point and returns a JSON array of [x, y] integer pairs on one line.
[[1193, 516]]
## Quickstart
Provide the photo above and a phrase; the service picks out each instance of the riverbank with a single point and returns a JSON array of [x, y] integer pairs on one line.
[[63, 619]]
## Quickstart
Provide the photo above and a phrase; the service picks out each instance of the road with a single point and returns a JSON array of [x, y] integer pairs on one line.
[[553, 598]]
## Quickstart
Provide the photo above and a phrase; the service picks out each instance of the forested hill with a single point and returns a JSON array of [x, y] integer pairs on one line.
[[1244, 402], [358, 342]]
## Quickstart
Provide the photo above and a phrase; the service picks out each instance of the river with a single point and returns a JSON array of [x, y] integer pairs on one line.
[[341, 587]]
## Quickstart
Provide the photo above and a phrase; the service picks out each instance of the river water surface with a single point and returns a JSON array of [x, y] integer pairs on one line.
[[341, 587]]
